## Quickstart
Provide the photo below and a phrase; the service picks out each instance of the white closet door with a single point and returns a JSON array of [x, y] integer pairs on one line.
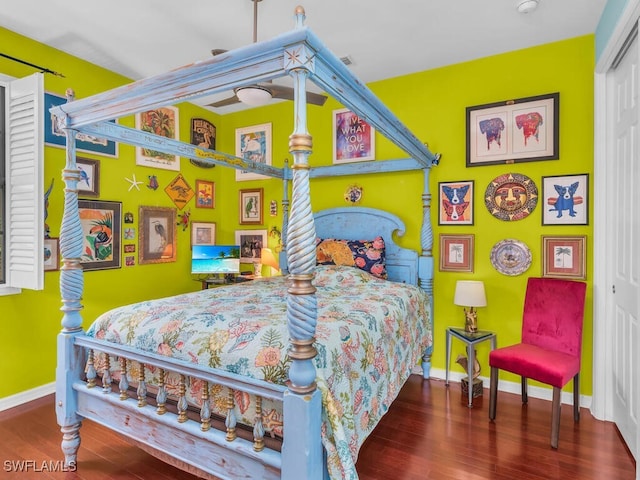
[[622, 197]]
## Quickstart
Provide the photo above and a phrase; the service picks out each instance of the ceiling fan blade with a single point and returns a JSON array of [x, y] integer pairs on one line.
[[286, 93], [224, 103]]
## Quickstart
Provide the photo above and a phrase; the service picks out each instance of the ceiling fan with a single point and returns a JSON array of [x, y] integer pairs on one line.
[[262, 93]]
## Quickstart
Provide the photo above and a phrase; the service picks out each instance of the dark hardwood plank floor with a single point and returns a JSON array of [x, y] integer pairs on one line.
[[428, 433]]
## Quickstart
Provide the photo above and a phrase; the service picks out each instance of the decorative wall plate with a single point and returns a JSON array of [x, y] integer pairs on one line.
[[353, 194], [511, 196], [511, 257]]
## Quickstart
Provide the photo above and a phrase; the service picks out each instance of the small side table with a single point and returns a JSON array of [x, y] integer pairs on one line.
[[470, 340]]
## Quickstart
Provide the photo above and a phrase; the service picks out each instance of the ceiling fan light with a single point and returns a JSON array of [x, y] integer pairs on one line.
[[253, 95], [527, 6]]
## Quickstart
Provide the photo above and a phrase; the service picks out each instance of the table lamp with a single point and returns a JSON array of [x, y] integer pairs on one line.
[[268, 258], [470, 293]]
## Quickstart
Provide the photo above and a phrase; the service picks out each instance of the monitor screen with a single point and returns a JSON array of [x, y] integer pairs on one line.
[[214, 259]]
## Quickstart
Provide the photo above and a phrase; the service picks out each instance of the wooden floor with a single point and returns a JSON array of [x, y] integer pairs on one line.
[[428, 433]]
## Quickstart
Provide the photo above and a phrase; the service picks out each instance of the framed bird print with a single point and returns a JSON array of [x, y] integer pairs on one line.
[[251, 206], [101, 223], [157, 234], [89, 184]]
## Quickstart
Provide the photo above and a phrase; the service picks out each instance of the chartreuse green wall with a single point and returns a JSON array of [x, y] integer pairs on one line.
[[432, 104]]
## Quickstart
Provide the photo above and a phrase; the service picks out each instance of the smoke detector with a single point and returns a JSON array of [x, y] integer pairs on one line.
[[526, 6]]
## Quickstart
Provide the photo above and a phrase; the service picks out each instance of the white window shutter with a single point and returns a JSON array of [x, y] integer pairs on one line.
[[24, 182]]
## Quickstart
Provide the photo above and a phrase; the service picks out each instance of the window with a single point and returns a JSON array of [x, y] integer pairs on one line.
[[21, 184]]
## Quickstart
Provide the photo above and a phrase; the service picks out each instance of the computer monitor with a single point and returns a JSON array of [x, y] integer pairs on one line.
[[215, 259]]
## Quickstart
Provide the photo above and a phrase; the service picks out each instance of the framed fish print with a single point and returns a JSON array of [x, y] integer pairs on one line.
[[520, 130], [455, 203]]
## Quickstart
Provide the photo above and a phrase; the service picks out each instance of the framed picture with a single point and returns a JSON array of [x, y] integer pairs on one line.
[[565, 200], [54, 134], [130, 248], [101, 223], [251, 243], [253, 144], [455, 203], [205, 194], [456, 253], [51, 254], [203, 233], [89, 184], [353, 138], [521, 130], [157, 235], [164, 122], [251, 206], [564, 257]]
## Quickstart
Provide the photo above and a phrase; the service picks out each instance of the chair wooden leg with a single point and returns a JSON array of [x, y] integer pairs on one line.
[[555, 417], [525, 395], [493, 393], [576, 398]]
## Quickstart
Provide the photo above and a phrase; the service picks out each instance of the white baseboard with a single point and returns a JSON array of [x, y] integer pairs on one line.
[[515, 387], [503, 386], [27, 396]]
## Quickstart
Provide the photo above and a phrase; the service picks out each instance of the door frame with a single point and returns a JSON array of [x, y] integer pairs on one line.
[[602, 398]]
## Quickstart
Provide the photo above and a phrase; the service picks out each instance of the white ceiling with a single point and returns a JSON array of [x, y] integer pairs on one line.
[[383, 38]]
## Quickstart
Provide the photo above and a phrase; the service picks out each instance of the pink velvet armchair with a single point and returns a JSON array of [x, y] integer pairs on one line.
[[550, 347]]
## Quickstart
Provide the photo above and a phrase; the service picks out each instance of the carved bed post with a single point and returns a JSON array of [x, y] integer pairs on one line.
[[70, 359], [425, 265], [302, 448], [284, 268]]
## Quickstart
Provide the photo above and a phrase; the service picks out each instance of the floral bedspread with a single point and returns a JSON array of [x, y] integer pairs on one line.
[[370, 333]]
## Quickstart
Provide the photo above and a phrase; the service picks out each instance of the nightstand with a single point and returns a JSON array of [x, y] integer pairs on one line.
[[470, 340]]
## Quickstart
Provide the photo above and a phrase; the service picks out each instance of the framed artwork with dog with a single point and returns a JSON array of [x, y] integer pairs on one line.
[[455, 203], [510, 131], [565, 200]]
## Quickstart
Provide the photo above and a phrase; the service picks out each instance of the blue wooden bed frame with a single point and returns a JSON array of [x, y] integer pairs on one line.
[[302, 56]]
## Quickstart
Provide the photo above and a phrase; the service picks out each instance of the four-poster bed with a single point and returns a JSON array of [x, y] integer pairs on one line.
[[305, 304]]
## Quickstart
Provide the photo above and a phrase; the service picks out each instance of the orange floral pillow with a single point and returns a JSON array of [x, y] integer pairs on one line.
[[367, 255]]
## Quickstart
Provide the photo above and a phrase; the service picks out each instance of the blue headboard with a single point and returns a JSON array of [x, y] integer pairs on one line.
[[359, 223]]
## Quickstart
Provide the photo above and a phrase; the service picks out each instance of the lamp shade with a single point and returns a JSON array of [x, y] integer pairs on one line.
[[253, 95], [470, 293], [268, 258]]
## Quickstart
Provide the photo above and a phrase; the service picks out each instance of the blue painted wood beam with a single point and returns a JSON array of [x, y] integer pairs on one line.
[[244, 66], [362, 168], [132, 136]]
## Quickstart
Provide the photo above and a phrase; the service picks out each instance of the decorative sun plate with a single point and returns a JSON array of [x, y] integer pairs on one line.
[[511, 257], [511, 197]]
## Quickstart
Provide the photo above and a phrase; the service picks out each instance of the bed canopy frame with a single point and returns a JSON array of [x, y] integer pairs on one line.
[[301, 55]]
